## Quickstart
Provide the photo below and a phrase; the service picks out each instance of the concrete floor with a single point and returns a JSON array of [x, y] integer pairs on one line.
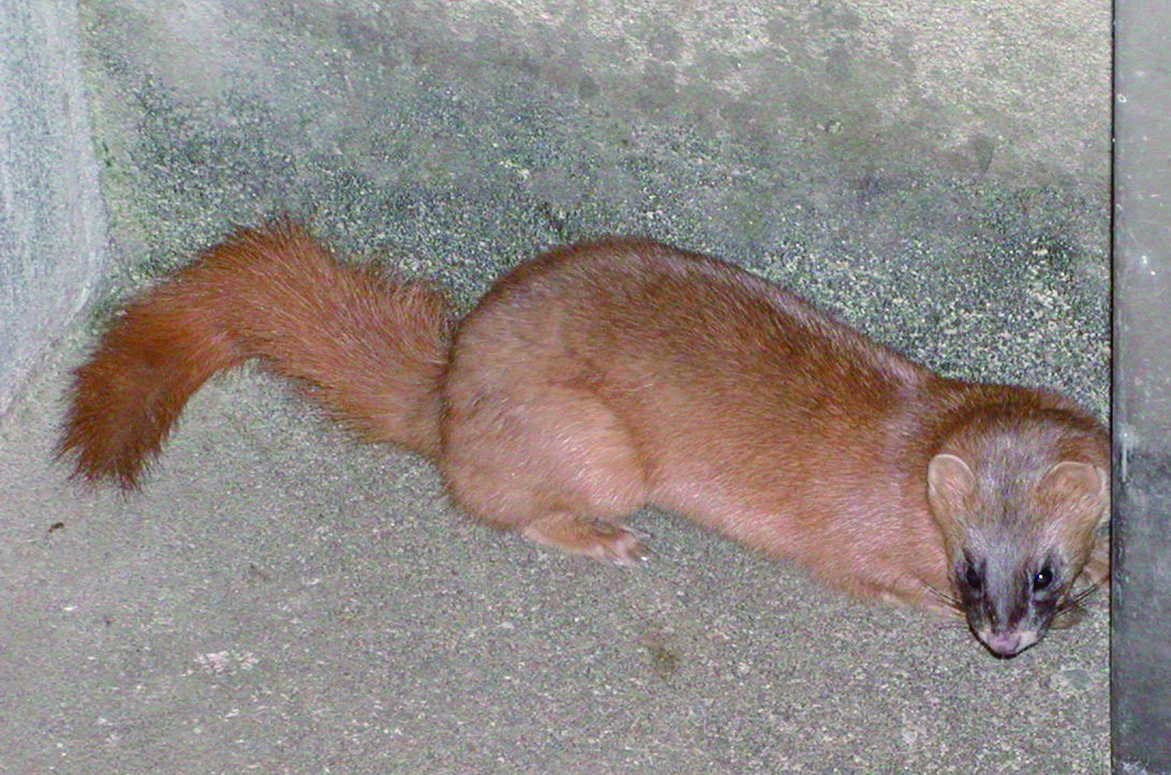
[[280, 599]]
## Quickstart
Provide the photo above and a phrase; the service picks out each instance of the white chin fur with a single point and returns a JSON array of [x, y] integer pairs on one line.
[[1024, 639]]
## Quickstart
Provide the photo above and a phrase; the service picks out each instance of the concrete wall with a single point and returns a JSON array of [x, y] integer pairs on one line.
[[52, 233], [872, 154], [939, 174]]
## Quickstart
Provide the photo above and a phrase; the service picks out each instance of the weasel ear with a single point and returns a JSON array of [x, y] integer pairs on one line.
[[949, 478], [1070, 479], [950, 485], [1081, 490]]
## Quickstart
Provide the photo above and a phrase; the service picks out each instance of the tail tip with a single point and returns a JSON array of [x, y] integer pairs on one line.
[[91, 466]]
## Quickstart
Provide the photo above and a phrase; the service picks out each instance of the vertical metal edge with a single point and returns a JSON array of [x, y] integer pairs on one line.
[[1141, 391]]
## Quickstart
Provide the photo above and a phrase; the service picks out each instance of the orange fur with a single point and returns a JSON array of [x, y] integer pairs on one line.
[[370, 350]]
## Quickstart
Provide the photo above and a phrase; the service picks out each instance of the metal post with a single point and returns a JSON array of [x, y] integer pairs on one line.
[[1141, 623]]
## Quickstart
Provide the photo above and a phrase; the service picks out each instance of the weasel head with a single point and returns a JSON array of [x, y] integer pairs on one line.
[[1018, 530]]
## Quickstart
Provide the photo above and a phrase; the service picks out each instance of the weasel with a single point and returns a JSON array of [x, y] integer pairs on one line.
[[605, 376]]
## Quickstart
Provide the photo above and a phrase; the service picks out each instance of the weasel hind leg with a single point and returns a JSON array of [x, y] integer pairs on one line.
[[573, 535], [559, 468]]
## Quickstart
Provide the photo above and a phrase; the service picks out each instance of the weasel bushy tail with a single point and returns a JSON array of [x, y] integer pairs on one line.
[[371, 350]]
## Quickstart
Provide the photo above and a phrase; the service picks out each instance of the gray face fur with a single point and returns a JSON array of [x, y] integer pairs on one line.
[[1018, 531], [1008, 596]]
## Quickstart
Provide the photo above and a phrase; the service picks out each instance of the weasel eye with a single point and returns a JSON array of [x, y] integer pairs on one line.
[[1042, 578], [973, 578]]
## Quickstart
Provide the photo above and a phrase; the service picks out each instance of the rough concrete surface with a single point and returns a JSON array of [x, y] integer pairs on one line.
[[52, 228], [280, 599]]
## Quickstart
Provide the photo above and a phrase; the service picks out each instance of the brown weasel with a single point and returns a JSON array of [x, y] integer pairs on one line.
[[606, 376]]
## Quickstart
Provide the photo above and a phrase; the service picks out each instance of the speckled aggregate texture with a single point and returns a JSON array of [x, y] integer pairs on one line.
[[281, 599]]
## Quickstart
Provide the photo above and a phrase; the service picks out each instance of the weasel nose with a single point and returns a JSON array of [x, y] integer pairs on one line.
[[1004, 644]]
